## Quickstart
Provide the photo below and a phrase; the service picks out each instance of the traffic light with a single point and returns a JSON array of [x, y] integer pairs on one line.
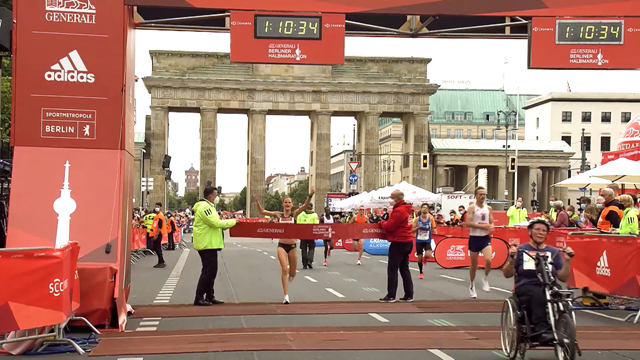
[[167, 175], [425, 161], [166, 161], [513, 164]]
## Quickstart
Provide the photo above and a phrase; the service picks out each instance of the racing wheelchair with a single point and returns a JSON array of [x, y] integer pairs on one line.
[[516, 332]]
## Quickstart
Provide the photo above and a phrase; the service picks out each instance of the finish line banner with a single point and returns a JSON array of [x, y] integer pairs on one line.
[[307, 231]]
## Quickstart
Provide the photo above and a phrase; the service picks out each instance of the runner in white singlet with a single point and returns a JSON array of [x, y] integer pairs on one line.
[[287, 253], [328, 243], [479, 220]]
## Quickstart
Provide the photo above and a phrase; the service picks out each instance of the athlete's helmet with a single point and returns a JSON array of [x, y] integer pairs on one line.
[[538, 220]]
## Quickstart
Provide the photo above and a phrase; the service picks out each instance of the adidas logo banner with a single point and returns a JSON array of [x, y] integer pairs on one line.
[[70, 68], [602, 268]]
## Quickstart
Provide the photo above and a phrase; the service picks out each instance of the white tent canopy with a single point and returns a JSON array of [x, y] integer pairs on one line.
[[380, 197], [620, 171], [583, 181]]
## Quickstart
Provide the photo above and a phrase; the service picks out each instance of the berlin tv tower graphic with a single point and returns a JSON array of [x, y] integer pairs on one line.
[[64, 206]]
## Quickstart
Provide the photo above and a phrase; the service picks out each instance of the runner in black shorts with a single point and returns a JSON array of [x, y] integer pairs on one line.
[[480, 221]]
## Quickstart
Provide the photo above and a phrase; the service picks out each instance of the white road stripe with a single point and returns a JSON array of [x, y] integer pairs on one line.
[[414, 269], [334, 292], [311, 279], [502, 290], [148, 323], [151, 328], [266, 253], [163, 297], [602, 315], [451, 278], [384, 261], [130, 359], [366, 257], [440, 354], [153, 318], [161, 301], [273, 257], [378, 317]]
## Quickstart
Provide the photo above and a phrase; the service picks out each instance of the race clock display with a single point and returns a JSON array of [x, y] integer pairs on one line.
[[607, 32], [288, 27]]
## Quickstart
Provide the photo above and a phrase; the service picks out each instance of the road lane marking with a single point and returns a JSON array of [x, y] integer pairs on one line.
[[440, 322], [501, 355], [502, 290], [414, 269], [148, 323], [266, 253], [151, 328], [130, 359], [349, 280], [370, 289], [378, 317], [334, 292], [366, 257], [273, 257], [451, 278], [383, 261], [161, 301], [153, 318], [311, 279], [333, 272], [440, 354], [603, 315]]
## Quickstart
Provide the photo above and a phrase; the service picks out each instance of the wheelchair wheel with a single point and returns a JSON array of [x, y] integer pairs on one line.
[[509, 330], [566, 331]]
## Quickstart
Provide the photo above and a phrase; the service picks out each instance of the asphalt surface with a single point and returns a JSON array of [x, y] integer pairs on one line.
[[249, 272]]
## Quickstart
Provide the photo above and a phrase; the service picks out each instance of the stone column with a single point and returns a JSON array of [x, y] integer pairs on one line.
[[563, 193], [471, 178], [208, 143], [501, 182], [159, 147], [441, 177], [420, 135], [533, 177], [256, 160], [320, 157], [369, 148]]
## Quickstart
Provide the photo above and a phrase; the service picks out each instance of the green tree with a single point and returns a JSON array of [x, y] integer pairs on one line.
[[6, 3], [299, 193], [273, 202], [172, 202], [191, 197], [240, 201], [222, 205], [5, 107]]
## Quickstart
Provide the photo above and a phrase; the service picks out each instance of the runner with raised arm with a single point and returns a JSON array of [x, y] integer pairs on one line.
[[287, 253], [480, 223]]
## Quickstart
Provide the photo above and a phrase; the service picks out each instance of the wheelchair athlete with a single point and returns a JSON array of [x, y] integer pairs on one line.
[[529, 291]]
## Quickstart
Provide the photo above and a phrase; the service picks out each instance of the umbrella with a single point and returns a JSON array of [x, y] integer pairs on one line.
[[621, 171], [583, 181]]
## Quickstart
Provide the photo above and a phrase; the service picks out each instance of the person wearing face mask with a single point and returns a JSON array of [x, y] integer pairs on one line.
[[573, 217], [158, 230], [172, 227], [590, 217], [552, 210], [147, 220], [208, 242], [517, 214], [527, 286], [611, 214], [398, 233]]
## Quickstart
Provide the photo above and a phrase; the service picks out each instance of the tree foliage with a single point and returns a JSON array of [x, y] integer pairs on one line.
[[173, 203], [190, 197], [240, 201], [222, 205], [5, 108], [273, 202], [299, 193]]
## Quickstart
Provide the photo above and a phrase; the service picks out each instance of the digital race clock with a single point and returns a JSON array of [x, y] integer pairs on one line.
[[608, 32], [288, 27]]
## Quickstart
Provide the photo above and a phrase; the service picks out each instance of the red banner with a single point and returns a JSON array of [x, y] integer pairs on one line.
[[452, 253], [37, 287], [307, 231], [606, 264]]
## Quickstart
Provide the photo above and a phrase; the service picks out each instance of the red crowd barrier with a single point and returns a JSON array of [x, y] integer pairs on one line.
[[40, 287], [453, 252], [608, 264], [138, 238]]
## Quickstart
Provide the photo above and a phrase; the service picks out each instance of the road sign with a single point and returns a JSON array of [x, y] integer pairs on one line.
[[353, 165], [353, 186], [353, 178]]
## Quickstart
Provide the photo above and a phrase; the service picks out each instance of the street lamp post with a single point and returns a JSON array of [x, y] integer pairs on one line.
[[509, 116], [142, 151]]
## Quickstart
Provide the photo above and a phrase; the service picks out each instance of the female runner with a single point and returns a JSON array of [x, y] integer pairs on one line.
[[287, 253]]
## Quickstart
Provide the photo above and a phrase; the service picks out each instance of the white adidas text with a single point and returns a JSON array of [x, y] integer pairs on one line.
[[70, 68]]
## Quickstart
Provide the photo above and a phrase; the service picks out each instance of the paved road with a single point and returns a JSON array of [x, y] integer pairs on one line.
[[249, 272]]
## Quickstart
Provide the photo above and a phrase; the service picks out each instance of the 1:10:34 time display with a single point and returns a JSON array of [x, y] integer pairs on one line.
[[590, 32], [288, 27]]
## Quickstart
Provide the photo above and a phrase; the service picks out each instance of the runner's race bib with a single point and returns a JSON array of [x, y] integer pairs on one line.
[[423, 235]]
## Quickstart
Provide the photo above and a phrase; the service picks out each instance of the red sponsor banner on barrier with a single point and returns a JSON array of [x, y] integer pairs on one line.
[[38, 287], [339, 244], [307, 231], [453, 253], [607, 264]]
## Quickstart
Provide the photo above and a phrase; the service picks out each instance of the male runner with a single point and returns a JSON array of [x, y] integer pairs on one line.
[[423, 226], [480, 223], [360, 218], [328, 243]]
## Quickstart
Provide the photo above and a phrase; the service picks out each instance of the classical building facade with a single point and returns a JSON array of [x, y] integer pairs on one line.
[[364, 87], [540, 164], [191, 179], [390, 144], [339, 178], [562, 116]]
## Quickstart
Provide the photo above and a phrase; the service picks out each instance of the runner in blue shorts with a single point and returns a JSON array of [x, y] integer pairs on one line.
[[479, 220]]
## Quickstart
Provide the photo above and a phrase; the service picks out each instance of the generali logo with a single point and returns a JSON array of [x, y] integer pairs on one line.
[[70, 11], [58, 286], [456, 252], [271, 230], [70, 68]]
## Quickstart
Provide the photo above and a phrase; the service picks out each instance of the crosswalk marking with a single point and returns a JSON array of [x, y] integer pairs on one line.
[[370, 289], [378, 317], [440, 322], [349, 280], [334, 292]]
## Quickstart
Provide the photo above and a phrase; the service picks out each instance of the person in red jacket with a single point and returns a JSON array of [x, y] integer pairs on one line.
[[398, 231]]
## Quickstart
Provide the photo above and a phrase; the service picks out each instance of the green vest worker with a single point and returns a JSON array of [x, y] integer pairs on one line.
[[517, 214], [308, 246], [148, 221], [208, 241]]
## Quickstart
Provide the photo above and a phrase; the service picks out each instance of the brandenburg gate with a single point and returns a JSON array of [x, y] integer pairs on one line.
[[364, 87]]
